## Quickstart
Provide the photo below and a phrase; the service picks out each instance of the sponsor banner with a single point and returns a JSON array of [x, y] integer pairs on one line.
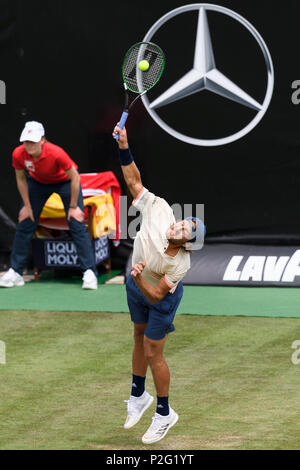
[[50, 253], [101, 249], [243, 265]]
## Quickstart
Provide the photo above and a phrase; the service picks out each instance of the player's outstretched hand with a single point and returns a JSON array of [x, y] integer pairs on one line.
[[137, 269], [123, 141]]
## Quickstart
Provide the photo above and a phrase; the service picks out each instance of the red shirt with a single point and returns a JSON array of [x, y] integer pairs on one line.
[[49, 168]]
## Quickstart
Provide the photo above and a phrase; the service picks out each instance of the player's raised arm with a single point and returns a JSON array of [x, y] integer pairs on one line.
[[130, 171]]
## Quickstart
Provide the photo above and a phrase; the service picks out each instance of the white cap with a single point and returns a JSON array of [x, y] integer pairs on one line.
[[33, 131]]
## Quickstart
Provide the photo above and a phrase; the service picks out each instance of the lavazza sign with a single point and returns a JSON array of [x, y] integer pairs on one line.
[[284, 269]]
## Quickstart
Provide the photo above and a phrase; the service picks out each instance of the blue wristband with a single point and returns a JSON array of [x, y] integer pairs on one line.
[[125, 156]]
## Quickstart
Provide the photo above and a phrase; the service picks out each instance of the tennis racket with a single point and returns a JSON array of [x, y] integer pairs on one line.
[[142, 68]]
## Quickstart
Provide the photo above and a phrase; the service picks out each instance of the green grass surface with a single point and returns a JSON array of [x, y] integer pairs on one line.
[[66, 294], [66, 376]]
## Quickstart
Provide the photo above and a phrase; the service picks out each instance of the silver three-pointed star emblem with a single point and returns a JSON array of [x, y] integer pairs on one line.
[[204, 75]]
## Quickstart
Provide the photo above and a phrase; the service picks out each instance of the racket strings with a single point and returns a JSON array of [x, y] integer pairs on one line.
[[137, 80]]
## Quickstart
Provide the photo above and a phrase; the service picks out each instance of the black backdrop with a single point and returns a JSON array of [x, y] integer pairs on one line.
[[61, 61]]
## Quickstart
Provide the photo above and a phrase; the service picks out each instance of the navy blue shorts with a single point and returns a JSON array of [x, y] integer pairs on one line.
[[159, 317]]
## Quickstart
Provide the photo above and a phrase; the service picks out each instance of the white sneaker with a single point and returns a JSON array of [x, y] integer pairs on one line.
[[90, 280], [159, 427], [136, 407], [11, 279]]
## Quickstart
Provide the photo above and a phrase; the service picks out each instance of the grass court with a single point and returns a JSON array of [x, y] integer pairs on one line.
[[67, 374]]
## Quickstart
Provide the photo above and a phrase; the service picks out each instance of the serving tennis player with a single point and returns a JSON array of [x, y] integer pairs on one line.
[[161, 258]]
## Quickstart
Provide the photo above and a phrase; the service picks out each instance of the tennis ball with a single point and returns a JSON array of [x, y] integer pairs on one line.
[[144, 65]]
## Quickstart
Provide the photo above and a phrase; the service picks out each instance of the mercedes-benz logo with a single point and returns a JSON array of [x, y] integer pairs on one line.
[[204, 75]]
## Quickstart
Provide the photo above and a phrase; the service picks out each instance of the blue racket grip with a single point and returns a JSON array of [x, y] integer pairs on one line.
[[122, 123]]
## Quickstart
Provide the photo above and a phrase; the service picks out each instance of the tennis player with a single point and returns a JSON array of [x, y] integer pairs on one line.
[[43, 168], [154, 291]]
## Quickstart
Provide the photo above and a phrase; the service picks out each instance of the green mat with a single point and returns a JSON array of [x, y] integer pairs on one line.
[[67, 295]]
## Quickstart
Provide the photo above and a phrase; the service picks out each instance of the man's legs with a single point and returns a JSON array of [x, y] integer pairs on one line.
[[78, 230], [155, 323], [38, 194], [165, 417], [160, 371], [139, 362], [140, 400], [150, 352]]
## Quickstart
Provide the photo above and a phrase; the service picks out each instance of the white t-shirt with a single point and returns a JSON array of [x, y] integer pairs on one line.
[[151, 242]]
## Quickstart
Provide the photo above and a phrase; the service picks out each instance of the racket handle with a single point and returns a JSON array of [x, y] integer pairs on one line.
[[122, 123]]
